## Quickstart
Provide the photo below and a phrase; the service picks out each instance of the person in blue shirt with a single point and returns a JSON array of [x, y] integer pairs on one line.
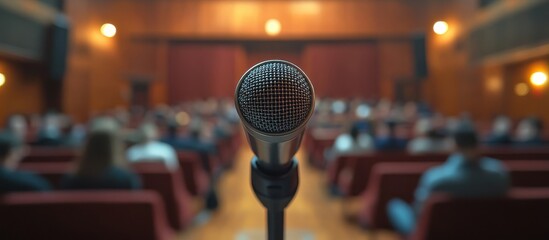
[[464, 174], [11, 152], [102, 163], [389, 141]]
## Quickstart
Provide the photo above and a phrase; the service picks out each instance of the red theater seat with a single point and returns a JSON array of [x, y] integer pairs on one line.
[[225, 152], [399, 180], [169, 184], [195, 177], [50, 154], [388, 181], [317, 141], [529, 174], [511, 153], [520, 215], [87, 215], [53, 172], [358, 168]]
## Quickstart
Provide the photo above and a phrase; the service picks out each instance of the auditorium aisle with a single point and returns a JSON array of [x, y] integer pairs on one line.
[[312, 215]]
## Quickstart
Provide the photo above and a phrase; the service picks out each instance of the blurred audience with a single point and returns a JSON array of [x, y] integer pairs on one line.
[[426, 139], [17, 126], [464, 174], [150, 149], [529, 133], [193, 141], [11, 180], [387, 139], [351, 143], [50, 132], [501, 132], [102, 164]]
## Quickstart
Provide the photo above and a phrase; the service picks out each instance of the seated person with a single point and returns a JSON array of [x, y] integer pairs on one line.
[[11, 152], [351, 143], [102, 163], [150, 149], [427, 139], [222, 129], [172, 137], [387, 139], [194, 142], [529, 133], [50, 132], [17, 126], [73, 134], [464, 174], [501, 132]]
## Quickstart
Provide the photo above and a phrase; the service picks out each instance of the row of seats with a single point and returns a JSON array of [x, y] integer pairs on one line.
[[400, 179], [85, 215], [522, 214], [54, 160], [163, 206], [379, 177], [357, 169], [154, 176]]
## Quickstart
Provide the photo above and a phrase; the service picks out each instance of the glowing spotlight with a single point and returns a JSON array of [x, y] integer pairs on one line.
[[538, 78], [2, 79], [108, 30], [183, 118], [440, 27], [521, 89], [272, 27]]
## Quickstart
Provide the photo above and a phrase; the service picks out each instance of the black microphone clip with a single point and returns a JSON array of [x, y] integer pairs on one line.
[[275, 192]]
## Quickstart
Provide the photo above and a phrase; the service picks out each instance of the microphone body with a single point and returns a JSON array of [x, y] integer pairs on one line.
[[275, 153], [275, 100]]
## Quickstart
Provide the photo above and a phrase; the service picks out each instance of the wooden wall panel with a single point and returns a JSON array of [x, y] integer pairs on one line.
[[456, 84], [396, 62], [22, 91], [244, 17], [536, 101], [259, 52], [199, 71], [99, 68], [343, 70]]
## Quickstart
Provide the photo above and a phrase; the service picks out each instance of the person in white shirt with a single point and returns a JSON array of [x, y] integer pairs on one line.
[[351, 143], [427, 140], [150, 149]]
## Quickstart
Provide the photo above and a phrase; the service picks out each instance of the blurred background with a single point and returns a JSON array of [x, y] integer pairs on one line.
[[118, 118]]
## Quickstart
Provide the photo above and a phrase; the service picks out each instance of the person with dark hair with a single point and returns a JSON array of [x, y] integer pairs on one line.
[[102, 165], [529, 133], [387, 140], [11, 152], [465, 174], [194, 142]]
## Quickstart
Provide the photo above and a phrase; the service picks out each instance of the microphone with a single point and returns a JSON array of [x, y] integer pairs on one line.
[[275, 100]]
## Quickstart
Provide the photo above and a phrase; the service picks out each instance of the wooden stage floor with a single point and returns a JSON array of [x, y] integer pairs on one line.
[[312, 215]]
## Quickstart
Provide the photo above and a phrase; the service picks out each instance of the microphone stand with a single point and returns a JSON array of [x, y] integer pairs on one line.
[[275, 191]]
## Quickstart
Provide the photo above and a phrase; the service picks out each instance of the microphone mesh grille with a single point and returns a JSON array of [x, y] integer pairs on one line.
[[275, 97]]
